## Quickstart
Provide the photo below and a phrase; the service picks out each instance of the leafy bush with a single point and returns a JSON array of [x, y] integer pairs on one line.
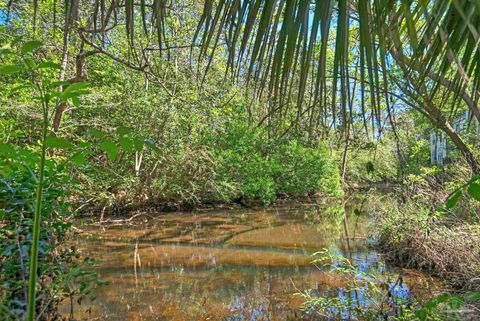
[[61, 271], [306, 170], [34, 209], [262, 169]]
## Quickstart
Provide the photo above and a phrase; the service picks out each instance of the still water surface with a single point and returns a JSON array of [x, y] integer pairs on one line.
[[230, 265]]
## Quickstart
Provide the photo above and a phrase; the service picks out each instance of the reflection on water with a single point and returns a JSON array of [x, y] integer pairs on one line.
[[223, 265]]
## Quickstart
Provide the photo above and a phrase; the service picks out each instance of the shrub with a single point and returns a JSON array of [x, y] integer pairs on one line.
[[59, 267], [262, 169]]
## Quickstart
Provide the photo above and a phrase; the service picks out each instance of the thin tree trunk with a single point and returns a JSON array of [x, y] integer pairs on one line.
[[463, 148], [434, 114], [61, 107], [80, 75]]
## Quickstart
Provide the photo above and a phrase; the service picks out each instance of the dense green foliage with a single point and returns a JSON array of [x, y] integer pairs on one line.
[[262, 170], [62, 272]]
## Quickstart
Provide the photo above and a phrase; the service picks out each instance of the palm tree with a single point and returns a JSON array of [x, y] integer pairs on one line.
[[281, 46], [433, 44]]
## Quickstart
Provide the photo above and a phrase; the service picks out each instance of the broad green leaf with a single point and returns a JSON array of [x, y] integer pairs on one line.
[[6, 149], [9, 69], [138, 144], [30, 46], [57, 142], [85, 144], [76, 86], [30, 63], [474, 191], [453, 199], [75, 101], [110, 148], [79, 159], [49, 65], [126, 144], [96, 133]]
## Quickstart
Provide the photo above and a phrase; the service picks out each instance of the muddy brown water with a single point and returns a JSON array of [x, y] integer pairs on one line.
[[230, 265]]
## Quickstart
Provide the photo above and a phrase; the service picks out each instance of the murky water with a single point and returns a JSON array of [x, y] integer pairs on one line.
[[224, 265]]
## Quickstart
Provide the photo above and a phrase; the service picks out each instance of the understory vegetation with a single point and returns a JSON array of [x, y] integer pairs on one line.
[[423, 231]]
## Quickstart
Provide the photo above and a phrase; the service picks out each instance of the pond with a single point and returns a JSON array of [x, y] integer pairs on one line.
[[226, 264]]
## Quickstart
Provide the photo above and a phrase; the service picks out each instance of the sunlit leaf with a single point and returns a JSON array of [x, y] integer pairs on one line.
[[9, 69], [76, 86], [76, 101], [6, 51]]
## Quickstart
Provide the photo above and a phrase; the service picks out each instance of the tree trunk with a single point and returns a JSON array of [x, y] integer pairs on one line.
[[80, 75], [463, 148], [442, 123]]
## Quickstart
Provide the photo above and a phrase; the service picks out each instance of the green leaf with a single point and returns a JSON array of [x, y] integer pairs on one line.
[[49, 65], [473, 296], [370, 167], [96, 133], [474, 191], [455, 302], [9, 69], [76, 101], [16, 40], [110, 148], [76, 86], [6, 149], [30, 46], [79, 159], [138, 144], [57, 142], [421, 314], [126, 144], [453, 199], [30, 63], [6, 51]]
